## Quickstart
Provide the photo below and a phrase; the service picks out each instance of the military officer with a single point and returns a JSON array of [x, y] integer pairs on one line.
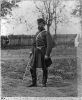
[[42, 47]]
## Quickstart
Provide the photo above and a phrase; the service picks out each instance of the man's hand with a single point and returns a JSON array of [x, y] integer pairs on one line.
[[46, 57], [30, 53]]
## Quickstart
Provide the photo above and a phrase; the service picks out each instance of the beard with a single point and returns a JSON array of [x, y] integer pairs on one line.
[[40, 28]]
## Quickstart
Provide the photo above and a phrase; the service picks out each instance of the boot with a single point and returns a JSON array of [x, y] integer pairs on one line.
[[33, 74], [45, 76], [33, 84], [44, 82]]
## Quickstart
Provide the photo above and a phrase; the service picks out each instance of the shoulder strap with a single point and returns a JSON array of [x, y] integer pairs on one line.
[[41, 32], [41, 37]]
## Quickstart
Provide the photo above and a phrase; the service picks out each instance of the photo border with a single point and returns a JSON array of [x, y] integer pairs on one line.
[[79, 65]]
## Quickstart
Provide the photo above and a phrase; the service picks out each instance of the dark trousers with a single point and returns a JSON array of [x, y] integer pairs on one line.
[[34, 76], [38, 62]]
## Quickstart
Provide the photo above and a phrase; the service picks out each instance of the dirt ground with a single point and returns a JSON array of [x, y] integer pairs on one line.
[[62, 74]]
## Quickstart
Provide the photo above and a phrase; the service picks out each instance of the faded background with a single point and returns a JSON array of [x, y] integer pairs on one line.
[[62, 78]]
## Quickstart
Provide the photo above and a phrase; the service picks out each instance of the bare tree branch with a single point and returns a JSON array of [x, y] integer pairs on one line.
[[53, 12], [45, 4], [38, 8]]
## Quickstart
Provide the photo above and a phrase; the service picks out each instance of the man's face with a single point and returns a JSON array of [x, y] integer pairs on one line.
[[40, 26]]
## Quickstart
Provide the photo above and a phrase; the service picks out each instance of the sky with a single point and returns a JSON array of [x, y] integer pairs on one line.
[[25, 16]]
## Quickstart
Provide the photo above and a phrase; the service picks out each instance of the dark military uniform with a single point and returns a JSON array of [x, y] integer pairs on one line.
[[42, 45]]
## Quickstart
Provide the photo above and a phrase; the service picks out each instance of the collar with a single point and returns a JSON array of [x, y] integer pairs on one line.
[[42, 30]]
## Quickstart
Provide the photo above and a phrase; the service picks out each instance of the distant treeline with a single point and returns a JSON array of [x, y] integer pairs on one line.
[[26, 40]]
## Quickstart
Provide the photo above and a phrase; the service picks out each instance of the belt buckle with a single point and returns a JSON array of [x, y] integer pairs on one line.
[[39, 47]]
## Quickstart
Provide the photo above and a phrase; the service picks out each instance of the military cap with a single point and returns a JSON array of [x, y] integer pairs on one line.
[[40, 20]]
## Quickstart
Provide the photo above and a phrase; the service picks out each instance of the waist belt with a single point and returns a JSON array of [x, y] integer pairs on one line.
[[39, 47]]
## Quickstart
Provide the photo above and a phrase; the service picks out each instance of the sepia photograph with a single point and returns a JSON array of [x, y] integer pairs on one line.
[[41, 48]]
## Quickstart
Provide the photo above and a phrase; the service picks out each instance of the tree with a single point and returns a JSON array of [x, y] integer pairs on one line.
[[6, 8], [80, 11], [77, 12], [52, 11]]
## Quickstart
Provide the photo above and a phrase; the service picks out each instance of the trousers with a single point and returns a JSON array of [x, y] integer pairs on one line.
[[34, 76]]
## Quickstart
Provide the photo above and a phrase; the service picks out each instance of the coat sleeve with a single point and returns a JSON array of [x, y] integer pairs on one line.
[[49, 44]]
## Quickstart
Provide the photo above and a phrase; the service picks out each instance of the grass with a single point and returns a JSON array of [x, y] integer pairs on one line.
[[62, 74]]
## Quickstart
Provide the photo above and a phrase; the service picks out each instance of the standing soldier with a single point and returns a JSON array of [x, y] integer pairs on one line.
[[42, 47]]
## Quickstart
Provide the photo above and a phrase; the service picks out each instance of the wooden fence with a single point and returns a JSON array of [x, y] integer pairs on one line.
[[20, 40], [26, 40]]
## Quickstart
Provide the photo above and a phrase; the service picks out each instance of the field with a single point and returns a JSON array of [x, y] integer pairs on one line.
[[62, 74]]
